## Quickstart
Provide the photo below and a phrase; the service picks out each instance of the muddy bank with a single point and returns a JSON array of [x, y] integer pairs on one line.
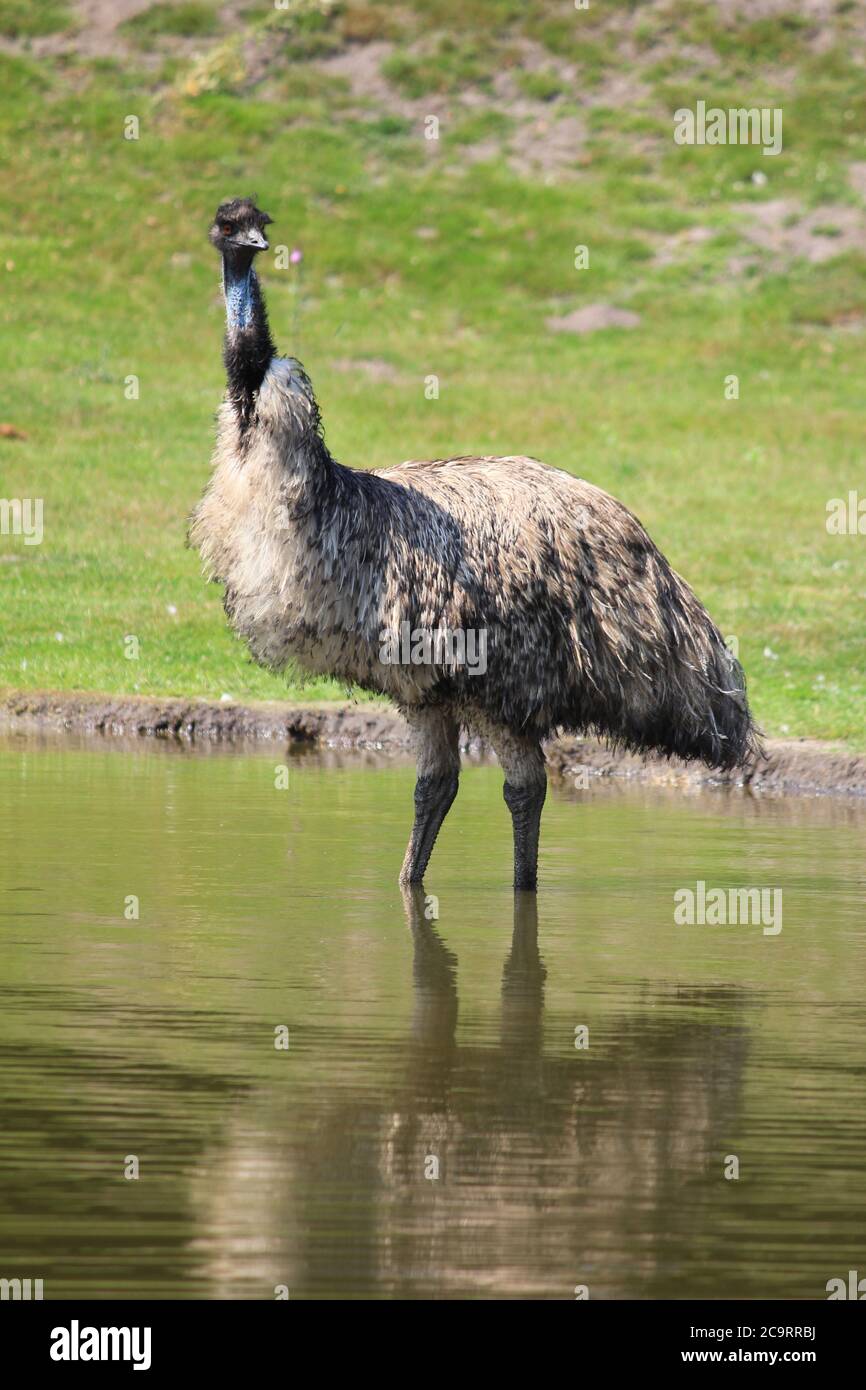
[[793, 765], [348, 726], [802, 766]]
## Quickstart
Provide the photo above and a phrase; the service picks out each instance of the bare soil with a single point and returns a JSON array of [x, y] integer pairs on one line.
[[785, 229], [593, 317]]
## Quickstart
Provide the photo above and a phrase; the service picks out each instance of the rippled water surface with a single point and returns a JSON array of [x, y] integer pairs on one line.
[[416, 1044]]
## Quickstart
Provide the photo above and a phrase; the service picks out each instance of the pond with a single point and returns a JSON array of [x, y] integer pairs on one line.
[[238, 1061]]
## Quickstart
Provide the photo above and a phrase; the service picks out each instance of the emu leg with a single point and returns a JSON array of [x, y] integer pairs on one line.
[[436, 788], [525, 805], [524, 792], [433, 797]]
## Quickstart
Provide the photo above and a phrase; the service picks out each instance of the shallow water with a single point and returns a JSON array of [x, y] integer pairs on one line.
[[412, 1040]]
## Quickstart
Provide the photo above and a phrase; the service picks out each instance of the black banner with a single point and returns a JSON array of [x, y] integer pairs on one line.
[[83, 1340]]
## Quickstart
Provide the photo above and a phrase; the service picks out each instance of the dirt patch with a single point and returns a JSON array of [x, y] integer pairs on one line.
[[97, 21], [93, 33], [542, 145], [96, 31], [540, 141], [786, 231], [360, 66], [801, 766], [593, 317]]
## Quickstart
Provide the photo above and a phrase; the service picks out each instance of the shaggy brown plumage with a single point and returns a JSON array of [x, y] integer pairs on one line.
[[587, 626]]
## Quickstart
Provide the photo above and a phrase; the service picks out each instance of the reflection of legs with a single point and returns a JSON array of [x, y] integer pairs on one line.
[[434, 968], [524, 791], [436, 787], [523, 979]]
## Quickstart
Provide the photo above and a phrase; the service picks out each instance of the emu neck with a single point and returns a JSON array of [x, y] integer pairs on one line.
[[238, 290], [249, 348]]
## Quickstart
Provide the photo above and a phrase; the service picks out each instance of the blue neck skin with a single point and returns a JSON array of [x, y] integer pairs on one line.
[[238, 290]]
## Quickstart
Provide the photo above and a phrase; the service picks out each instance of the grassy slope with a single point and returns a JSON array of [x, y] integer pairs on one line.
[[733, 491]]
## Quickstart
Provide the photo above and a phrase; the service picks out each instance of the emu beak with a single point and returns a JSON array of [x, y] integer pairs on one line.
[[251, 240]]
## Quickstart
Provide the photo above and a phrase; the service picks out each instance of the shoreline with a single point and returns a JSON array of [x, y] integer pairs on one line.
[[793, 766]]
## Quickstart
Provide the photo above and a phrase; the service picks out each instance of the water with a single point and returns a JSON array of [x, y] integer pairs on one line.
[[413, 1040]]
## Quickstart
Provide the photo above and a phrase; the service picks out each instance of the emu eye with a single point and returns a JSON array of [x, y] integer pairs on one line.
[[226, 229]]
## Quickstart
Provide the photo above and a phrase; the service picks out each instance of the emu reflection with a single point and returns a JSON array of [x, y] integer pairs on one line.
[[510, 1167]]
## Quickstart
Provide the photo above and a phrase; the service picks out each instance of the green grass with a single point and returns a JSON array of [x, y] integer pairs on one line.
[[114, 278], [451, 67], [184, 19], [20, 19], [542, 86]]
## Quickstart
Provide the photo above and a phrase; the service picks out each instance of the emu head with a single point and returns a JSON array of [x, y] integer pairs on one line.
[[237, 232]]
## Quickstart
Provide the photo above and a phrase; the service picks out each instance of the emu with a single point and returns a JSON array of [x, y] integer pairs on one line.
[[587, 626]]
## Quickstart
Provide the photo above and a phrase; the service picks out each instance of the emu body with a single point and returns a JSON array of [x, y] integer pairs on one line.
[[587, 626]]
